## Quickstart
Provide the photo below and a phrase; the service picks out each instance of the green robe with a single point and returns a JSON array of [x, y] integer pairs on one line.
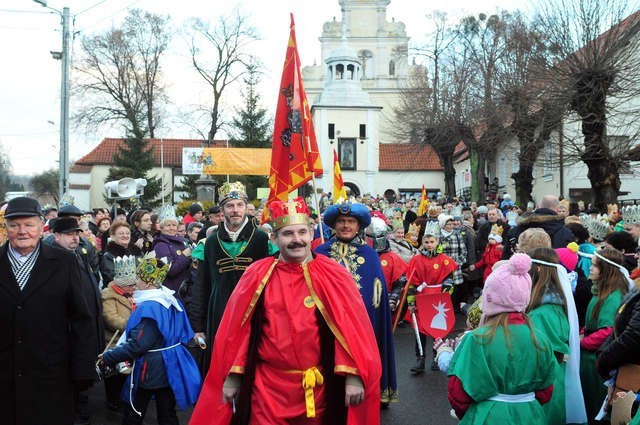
[[488, 368], [592, 384], [551, 321]]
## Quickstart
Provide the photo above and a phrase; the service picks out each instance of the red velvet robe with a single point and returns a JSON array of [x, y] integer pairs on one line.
[[323, 285], [430, 270], [393, 266]]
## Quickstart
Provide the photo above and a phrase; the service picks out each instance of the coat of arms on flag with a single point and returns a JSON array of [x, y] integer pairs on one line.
[[435, 314]]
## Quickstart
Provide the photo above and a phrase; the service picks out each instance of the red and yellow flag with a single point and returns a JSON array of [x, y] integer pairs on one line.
[[424, 203], [295, 153], [339, 192]]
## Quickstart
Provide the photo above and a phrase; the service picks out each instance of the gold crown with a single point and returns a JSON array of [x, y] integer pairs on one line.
[[151, 270], [496, 230], [235, 190], [413, 228], [294, 211]]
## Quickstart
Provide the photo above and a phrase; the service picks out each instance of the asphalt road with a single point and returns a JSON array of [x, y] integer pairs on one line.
[[423, 399]]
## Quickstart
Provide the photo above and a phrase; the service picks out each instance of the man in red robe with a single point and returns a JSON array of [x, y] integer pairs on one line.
[[295, 345]]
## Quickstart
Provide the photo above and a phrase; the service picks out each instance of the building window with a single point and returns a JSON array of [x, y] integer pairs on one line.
[[332, 131], [363, 131], [392, 68], [347, 154], [350, 72], [339, 71]]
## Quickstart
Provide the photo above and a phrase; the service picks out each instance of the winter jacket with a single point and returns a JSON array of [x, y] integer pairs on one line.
[[116, 309], [623, 346], [545, 219], [172, 248]]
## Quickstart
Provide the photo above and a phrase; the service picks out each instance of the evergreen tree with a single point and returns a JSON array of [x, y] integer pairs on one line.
[[135, 159], [251, 127], [188, 185]]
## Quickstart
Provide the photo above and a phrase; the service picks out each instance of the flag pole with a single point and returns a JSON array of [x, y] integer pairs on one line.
[[315, 190]]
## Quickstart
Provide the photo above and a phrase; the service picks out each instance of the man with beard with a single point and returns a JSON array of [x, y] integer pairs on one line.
[[228, 251], [67, 237], [294, 345], [349, 249], [50, 339]]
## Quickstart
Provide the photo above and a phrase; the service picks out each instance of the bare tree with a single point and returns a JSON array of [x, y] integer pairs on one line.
[[432, 107], [219, 56], [595, 78], [119, 75], [532, 118], [483, 37]]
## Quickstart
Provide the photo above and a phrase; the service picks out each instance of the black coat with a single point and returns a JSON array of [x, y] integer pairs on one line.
[[623, 347], [48, 340], [545, 219]]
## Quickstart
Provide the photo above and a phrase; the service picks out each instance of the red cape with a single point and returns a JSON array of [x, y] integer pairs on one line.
[[338, 299]]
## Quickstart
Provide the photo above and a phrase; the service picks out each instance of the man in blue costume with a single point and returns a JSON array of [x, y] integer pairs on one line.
[[157, 335], [349, 248]]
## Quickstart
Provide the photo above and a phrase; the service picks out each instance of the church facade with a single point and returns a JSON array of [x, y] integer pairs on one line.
[[352, 94]]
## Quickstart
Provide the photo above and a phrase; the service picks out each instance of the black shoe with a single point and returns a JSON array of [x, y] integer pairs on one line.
[[434, 366], [419, 367]]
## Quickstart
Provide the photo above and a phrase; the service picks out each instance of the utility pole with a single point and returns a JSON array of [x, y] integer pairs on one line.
[[64, 56]]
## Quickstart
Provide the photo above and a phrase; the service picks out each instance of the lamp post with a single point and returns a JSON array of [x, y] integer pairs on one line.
[[63, 179]]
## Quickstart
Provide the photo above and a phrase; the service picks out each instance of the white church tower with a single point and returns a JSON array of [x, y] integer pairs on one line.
[[352, 94]]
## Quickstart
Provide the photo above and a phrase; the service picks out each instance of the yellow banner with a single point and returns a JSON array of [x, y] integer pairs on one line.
[[239, 161]]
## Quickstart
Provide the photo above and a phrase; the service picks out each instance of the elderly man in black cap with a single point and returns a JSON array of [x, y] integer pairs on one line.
[[66, 232], [85, 248], [49, 338]]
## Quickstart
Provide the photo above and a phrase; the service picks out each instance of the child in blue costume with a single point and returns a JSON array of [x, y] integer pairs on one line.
[[157, 335]]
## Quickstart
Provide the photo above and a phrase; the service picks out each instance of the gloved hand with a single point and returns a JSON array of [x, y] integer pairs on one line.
[[447, 286]]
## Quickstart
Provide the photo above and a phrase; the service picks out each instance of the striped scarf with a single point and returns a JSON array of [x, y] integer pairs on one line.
[[22, 271]]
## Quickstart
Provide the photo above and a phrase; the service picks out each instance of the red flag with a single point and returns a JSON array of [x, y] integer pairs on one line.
[[295, 153], [435, 313]]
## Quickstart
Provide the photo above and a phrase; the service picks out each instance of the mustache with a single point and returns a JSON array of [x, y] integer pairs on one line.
[[296, 245]]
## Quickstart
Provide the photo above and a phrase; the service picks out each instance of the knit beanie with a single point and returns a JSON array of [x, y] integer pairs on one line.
[[569, 256], [508, 287]]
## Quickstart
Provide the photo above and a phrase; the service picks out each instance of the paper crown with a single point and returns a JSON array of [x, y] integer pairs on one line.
[[151, 270], [413, 228], [235, 190], [456, 211], [125, 270], [432, 228], [496, 230], [598, 228], [166, 212], [631, 214], [288, 213]]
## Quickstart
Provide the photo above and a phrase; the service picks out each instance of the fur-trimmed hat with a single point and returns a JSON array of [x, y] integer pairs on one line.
[[508, 287], [359, 211]]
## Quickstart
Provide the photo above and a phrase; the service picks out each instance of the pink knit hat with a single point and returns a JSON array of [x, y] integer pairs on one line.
[[508, 287], [569, 256]]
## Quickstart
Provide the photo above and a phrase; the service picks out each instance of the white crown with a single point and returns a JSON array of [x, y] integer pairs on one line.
[[125, 269], [432, 228], [631, 214], [598, 227], [167, 212]]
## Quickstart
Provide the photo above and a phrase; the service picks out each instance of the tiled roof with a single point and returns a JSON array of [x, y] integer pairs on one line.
[[408, 157], [103, 153]]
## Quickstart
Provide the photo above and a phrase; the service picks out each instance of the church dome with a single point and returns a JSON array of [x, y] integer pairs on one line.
[[343, 53]]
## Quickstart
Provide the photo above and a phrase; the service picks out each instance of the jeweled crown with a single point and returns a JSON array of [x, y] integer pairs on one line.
[[124, 269], [151, 270], [294, 211], [432, 228], [598, 228], [631, 214], [235, 190]]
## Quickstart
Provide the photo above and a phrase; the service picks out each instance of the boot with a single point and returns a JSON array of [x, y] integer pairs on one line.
[[419, 367]]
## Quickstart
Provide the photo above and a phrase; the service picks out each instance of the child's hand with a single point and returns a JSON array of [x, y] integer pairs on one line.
[[472, 268]]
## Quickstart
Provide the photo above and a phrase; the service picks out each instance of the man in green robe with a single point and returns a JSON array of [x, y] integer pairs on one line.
[[228, 251]]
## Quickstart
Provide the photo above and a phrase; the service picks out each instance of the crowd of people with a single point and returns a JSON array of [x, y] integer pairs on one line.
[[293, 320]]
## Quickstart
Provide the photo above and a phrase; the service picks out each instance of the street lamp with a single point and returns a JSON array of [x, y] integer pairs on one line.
[[63, 179]]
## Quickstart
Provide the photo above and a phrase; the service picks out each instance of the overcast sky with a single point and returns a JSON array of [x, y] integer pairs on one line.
[[30, 77]]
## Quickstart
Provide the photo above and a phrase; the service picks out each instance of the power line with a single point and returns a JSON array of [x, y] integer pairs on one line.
[[108, 16], [90, 7]]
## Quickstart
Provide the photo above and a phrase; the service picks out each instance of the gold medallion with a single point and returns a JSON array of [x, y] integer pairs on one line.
[[360, 260], [308, 302]]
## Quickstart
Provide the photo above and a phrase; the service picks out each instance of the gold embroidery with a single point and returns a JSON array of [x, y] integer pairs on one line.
[[377, 292]]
